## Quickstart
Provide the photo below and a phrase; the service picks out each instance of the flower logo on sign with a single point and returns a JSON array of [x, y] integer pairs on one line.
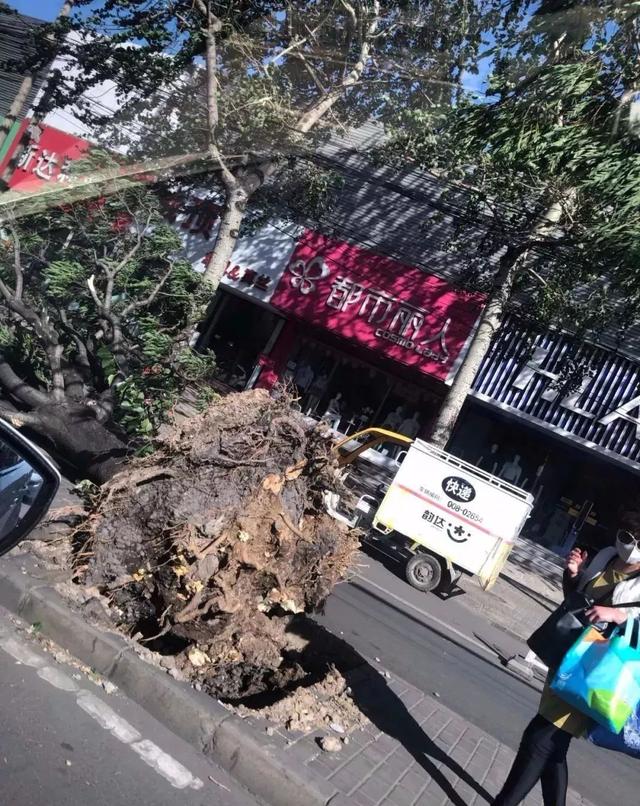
[[306, 274]]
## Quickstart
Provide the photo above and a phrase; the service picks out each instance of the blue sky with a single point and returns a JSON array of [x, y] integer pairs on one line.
[[49, 9], [43, 9]]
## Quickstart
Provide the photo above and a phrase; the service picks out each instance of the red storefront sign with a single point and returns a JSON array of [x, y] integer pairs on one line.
[[46, 158], [384, 305]]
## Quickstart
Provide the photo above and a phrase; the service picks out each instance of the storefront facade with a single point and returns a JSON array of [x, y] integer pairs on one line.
[[562, 420], [362, 338], [367, 340]]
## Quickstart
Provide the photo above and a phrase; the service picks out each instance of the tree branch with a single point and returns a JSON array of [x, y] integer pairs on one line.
[[20, 418], [144, 303], [91, 284], [17, 261], [17, 389], [112, 271], [308, 120]]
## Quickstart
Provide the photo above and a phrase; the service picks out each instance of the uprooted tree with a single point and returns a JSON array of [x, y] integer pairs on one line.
[[212, 546], [95, 301]]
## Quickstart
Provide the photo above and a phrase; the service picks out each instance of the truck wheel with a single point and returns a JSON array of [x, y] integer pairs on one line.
[[424, 572]]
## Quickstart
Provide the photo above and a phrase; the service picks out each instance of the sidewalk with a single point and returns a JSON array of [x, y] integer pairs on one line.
[[527, 591], [412, 751]]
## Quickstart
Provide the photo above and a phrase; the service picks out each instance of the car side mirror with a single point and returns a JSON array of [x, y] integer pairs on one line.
[[28, 484]]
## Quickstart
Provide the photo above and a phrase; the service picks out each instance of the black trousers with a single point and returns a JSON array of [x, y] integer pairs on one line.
[[542, 757]]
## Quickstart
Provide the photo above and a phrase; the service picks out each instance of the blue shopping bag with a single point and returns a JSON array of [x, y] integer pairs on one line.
[[600, 675], [627, 741]]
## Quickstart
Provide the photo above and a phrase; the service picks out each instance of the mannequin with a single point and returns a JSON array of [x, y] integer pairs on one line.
[[303, 377], [315, 392], [411, 426], [394, 419], [362, 420], [489, 461], [333, 414], [512, 471]]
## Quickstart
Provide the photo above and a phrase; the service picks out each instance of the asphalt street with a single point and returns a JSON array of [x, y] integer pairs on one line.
[[66, 742], [407, 631]]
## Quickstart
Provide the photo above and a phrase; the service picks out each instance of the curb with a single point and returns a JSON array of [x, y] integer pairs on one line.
[[253, 758]]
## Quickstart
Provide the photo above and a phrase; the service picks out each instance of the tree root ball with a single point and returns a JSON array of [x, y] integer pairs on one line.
[[216, 540]]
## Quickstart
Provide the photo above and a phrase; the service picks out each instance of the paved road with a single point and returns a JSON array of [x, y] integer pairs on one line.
[[66, 742], [471, 683]]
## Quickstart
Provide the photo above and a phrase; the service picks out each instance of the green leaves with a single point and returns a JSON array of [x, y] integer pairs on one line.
[[553, 134], [108, 284], [65, 279]]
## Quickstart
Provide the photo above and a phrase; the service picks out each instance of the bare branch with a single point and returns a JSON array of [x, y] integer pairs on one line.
[[83, 360], [112, 271], [20, 390], [293, 46], [537, 276], [308, 120], [314, 76], [351, 12], [54, 357], [214, 26], [20, 418], [202, 7], [91, 283]]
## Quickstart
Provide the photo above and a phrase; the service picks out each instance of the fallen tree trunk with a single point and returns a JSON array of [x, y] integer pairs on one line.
[[86, 447], [217, 541]]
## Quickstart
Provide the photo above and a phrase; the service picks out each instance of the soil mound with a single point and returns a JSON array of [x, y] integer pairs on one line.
[[210, 546]]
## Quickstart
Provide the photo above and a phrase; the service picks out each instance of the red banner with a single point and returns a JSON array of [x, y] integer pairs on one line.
[[387, 306], [46, 158]]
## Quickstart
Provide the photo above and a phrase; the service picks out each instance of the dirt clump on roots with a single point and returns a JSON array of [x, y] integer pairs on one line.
[[210, 547]]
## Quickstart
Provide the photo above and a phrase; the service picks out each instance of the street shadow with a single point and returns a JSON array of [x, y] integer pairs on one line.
[[375, 698], [502, 656], [395, 562], [539, 598]]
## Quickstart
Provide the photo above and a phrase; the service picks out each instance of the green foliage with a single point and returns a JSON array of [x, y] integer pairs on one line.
[[106, 280], [274, 61], [551, 140]]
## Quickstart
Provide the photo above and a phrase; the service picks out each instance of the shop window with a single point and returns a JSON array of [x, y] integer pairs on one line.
[[352, 395], [237, 333], [578, 497], [330, 385]]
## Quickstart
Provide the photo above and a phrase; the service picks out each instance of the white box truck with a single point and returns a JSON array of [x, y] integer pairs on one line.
[[448, 515]]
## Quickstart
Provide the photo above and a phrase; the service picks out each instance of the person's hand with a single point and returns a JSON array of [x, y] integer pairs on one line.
[[575, 561], [608, 614]]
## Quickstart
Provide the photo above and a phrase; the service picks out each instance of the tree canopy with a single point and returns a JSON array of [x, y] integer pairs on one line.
[[254, 87], [95, 307], [548, 163]]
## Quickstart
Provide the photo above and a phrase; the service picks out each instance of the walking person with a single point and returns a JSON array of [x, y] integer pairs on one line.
[[614, 573]]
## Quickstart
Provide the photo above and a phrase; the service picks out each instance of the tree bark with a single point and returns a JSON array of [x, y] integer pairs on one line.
[[511, 263], [15, 110], [242, 184], [19, 390], [74, 436], [490, 321], [227, 235]]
